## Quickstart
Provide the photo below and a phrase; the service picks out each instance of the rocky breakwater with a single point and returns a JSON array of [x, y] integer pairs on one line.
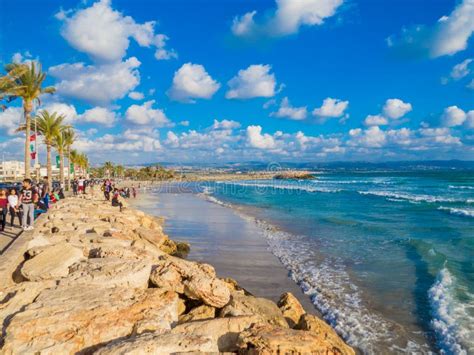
[[94, 280]]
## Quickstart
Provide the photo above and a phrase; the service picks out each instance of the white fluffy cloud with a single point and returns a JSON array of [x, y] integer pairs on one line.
[[96, 84], [375, 120], [448, 36], [453, 116], [225, 124], [331, 108], [288, 17], [67, 110], [396, 108], [287, 111], [191, 82], [104, 33], [461, 70], [145, 114], [255, 81], [135, 95], [256, 139], [99, 115], [372, 137], [10, 119]]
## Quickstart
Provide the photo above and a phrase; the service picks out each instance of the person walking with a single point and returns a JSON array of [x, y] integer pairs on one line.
[[14, 207], [74, 187], [28, 198], [3, 208]]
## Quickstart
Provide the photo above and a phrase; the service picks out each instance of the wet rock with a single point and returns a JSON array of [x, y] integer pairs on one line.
[[79, 318], [291, 309], [267, 310], [52, 263]]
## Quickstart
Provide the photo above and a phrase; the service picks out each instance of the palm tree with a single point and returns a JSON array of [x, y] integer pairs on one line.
[[49, 126], [8, 87], [83, 163], [28, 86], [109, 168], [69, 139]]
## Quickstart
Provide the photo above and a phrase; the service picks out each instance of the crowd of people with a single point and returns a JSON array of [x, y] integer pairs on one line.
[[32, 199]]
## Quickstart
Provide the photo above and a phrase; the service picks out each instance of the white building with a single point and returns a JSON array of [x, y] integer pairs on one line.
[[55, 171], [12, 170]]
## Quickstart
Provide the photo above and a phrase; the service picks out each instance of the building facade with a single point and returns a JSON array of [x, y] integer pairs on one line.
[[12, 170]]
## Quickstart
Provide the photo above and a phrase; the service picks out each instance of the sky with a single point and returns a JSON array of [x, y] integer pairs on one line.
[[234, 80]]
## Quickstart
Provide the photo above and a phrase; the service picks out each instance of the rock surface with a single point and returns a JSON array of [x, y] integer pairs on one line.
[[73, 318], [241, 305], [291, 309], [52, 263]]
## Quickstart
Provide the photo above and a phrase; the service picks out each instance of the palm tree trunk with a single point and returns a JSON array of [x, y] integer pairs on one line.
[[68, 169], [27, 111], [61, 166], [48, 162]]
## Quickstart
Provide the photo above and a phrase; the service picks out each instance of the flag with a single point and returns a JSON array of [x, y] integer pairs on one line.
[[71, 167], [33, 137], [33, 155], [58, 161]]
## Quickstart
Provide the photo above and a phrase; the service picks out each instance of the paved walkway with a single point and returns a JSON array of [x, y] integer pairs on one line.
[[8, 236]]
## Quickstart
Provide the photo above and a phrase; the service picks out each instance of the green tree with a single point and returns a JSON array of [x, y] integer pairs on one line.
[[109, 168], [50, 126], [28, 86]]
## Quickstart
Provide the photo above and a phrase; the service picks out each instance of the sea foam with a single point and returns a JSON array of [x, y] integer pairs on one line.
[[452, 323]]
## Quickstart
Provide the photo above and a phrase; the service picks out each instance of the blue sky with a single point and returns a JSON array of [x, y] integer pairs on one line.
[[289, 80]]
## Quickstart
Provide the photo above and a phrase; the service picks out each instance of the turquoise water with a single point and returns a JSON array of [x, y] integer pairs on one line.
[[387, 257]]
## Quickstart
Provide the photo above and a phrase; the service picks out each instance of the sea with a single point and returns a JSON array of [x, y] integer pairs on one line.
[[386, 256]]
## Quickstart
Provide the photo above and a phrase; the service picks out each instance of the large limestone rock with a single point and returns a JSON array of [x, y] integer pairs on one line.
[[109, 272], [319, 327], [13, 299], [267, 339], [211, 291], [52, 263], [152, 343], [240, 305], [223, 331], [66, 320], [156, 238], [199, 313], [291, 309], [196, 281]]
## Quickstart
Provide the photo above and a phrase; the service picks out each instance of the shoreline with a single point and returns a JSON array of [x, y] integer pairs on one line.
[[92, 279]]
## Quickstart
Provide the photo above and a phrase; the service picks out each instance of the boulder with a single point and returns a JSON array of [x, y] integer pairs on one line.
[[325, 332], [156, 238], [82, 317], [267, 310], [52, 263], [211, 291], [267, 339], [291, 309], [167, 277], [199, 313], [109, 272], [156, 343], [223, 331]]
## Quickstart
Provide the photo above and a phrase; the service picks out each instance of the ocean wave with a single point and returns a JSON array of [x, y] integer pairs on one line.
[[410, 197], [458, 211], [278, 186], [461, 187], [452, 323]]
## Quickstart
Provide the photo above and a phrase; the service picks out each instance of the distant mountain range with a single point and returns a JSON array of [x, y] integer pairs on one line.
[[360, 165]]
